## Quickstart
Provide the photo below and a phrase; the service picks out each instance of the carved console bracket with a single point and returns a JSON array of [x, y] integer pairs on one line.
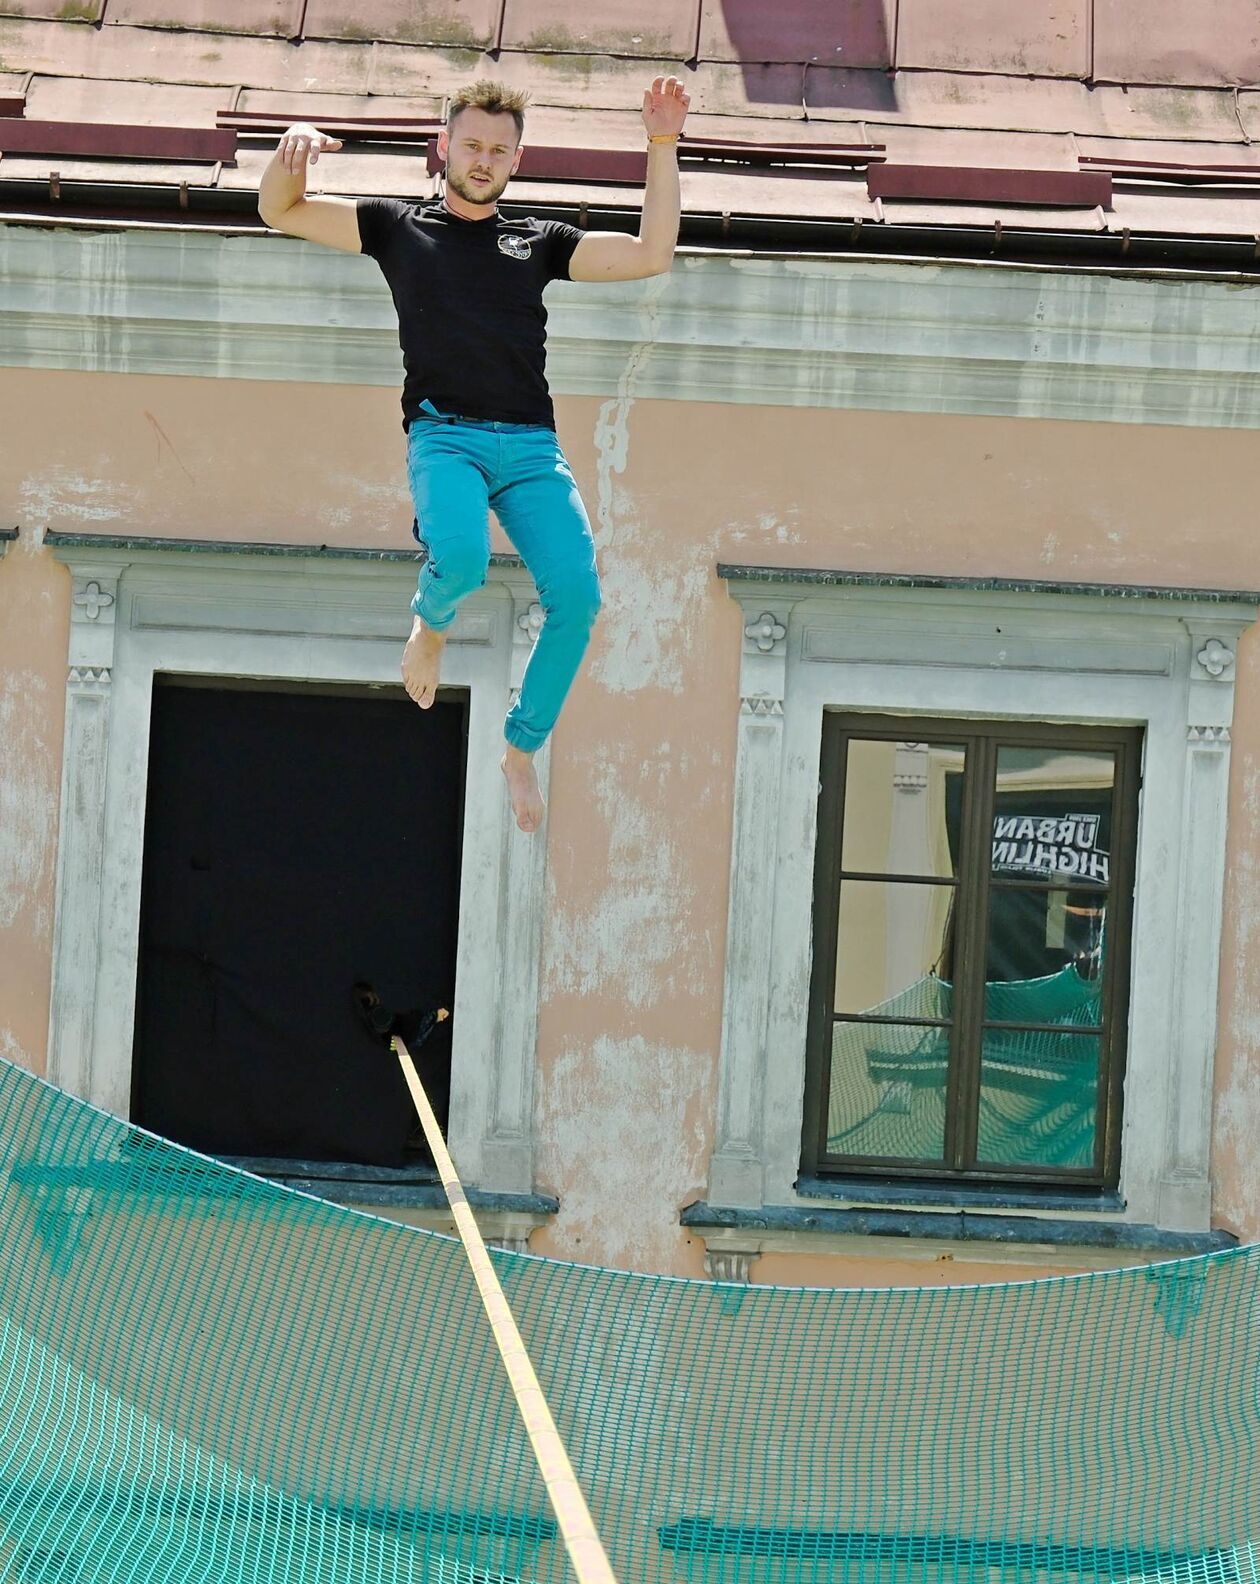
[[729, 1264]]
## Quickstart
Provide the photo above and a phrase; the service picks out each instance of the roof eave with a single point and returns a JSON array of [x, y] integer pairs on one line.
[[126, 204]]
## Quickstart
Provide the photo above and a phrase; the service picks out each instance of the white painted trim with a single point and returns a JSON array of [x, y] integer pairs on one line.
[[220, 614], [833, 332], [1165, 666], [737, 1171]]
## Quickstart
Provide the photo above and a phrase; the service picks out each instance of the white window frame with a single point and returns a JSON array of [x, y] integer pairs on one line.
[[1164, 661], [288, 616]]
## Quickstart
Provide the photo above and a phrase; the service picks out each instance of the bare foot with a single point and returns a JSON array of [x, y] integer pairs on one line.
[[422, 663], [522, 785]]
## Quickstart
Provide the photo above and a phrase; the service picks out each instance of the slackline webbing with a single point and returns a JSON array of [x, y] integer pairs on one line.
[[209, 1379], [586, 1550]]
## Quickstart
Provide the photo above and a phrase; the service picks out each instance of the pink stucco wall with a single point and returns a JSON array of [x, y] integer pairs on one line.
[[644, 757]]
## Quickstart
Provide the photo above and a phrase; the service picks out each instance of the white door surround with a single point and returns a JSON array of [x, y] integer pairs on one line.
[[287, 614]]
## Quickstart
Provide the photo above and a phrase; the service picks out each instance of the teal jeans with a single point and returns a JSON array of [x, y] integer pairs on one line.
[[458, 469]]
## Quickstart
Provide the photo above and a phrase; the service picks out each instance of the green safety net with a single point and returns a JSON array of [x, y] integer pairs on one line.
[[207, 1379]]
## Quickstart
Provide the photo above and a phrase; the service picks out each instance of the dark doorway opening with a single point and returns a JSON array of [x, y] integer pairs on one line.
[[299, 842]]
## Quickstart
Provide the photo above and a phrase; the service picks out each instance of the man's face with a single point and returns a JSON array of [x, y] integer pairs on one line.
[[481, 152]]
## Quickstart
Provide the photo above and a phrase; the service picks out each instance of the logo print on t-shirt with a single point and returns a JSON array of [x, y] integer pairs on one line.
[[516, 247]]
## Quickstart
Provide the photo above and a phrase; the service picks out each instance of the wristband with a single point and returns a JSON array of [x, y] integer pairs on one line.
[[663, 137]]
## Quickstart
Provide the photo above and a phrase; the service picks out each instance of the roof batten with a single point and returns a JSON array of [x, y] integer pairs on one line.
[[105, 140], [1050, 188]]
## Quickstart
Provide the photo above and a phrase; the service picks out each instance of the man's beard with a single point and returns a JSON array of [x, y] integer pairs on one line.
[[486, 194]]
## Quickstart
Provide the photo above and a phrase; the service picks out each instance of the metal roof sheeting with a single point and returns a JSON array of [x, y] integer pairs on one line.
[[1164, 42], [1037, 38], [270, 18], [1147, 95], [1177, 41], [860, 32], [648, 30], [459, 24]]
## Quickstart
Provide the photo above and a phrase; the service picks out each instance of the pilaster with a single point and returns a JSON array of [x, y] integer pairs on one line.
[[81, 843], [507, 1154], [1185, 1188], [737, 1172]]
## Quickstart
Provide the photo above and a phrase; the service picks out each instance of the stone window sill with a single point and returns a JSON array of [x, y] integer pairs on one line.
[[505, 1219], [890, 1193], [735, 1236]]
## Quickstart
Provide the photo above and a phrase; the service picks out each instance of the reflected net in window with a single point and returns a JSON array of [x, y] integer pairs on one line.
[[974, 898], [887, 1093], [1039, 1098], [1045, 959], [891, 1039]]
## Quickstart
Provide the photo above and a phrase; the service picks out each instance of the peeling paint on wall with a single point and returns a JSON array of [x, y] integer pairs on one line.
[[633, 941], [1236, 1124], [11, 1050], [651, 580], [26, 823], [60, 494], [368, 507], [626, 1176], [34, 618]]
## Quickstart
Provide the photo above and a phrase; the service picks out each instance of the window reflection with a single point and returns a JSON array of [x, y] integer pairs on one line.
[[1052, 814], [887, 1094], [895, 807], [1038, 1098], [892, 939], [1044, 969]]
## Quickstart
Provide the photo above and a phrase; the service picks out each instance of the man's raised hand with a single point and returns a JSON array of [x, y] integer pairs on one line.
[[665, 106], [303, 143], [282, 198]]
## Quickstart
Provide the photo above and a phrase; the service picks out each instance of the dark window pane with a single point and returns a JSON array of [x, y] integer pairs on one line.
[[887, 1091], [1052, 814], [895, 800], [1034, 935], [892, 939], [1038, 1099]]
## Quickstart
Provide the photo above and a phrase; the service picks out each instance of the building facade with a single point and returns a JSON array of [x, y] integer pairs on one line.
[[892, 921]]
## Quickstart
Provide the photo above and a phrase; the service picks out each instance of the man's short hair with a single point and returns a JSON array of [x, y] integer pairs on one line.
[[495, 98]]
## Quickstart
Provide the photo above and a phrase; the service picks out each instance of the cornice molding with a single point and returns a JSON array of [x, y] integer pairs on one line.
[[819, 579], [798, 332]]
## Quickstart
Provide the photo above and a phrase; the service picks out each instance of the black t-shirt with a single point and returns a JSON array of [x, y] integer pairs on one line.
[[471, 320]]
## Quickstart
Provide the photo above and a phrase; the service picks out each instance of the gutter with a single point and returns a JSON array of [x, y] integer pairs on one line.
[[130, 205]]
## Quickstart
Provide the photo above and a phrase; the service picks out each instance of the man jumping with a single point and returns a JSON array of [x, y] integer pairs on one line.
[[468, 286]]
